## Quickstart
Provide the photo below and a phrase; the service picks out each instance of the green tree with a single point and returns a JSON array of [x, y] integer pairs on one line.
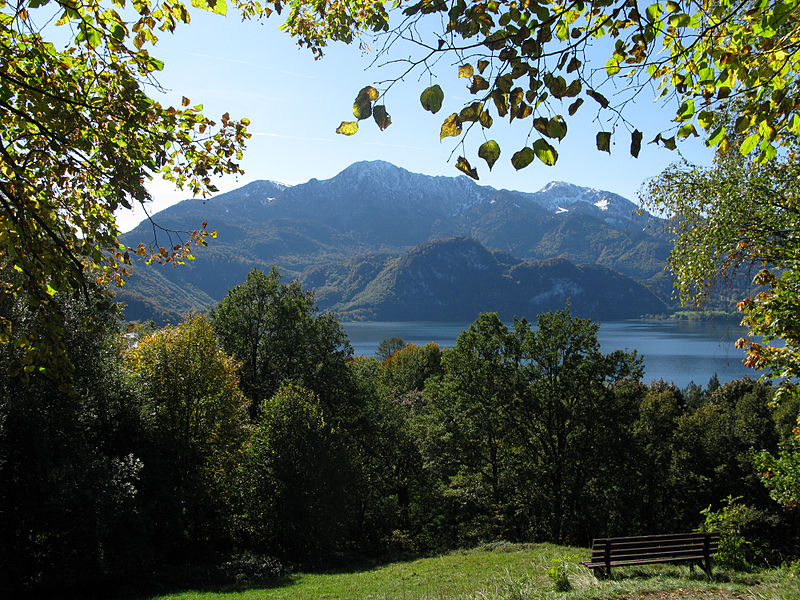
[[780, 472], [197, 416], [274, 330], [295, 476], [523, 423], [469, 428], [575, 424], [389, 346], [80, 136], [72, 511]]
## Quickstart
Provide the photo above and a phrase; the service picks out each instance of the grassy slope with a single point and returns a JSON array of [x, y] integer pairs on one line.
[[514, 573]]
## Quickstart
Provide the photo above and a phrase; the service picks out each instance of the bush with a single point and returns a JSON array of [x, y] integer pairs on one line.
[[731, 521]]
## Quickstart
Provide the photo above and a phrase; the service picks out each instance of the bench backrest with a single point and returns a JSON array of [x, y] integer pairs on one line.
[[679, 546]]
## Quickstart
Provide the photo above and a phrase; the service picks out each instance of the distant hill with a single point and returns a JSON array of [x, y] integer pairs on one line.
[[457, 278], [339, 234]]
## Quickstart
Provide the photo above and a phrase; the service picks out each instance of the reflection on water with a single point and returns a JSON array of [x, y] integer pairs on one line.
[[677, 351]]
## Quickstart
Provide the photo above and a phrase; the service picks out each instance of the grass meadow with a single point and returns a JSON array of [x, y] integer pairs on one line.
[[514, 572]]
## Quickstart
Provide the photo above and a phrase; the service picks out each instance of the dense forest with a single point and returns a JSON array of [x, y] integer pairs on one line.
[[248, 439]]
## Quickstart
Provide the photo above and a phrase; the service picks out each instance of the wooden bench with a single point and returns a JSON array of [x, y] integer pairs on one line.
[[694, 548]]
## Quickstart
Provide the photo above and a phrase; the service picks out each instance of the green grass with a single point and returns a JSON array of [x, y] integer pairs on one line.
[[515, 572]]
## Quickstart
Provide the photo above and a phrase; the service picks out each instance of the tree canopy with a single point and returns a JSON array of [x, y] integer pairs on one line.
[[81, 134], [523, 60]]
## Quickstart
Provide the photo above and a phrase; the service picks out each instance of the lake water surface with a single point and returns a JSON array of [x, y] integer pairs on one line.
[[677, 351]]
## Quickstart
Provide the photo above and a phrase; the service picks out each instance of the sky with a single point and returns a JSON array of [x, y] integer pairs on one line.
[[294, 103]]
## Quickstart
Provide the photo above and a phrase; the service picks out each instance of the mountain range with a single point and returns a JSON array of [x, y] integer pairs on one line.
[[379, 242]]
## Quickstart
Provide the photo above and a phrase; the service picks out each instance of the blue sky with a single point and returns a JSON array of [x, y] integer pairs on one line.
[[295, 103]]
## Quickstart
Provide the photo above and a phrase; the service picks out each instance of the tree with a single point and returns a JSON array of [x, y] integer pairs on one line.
[[80, 137], [574, 422], [469, 428], [197, 416], [522, 422], [295, 473], [740, 215], [272, 328], [389, 346], [71, 465], [524, 59]]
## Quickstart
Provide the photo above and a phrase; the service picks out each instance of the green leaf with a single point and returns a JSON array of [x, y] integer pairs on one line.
[[451, 127], [347, 127], [471, 113], [686, 130], [362, 107], [432, 98], [545, 152], [612, 66], [556, 128], [654, 12], [219, 7], [749, 144], [462, 164], [490, 152], [573, 108], [523, 158], [636, 143], [686, 110], [603, 141], [598, 97], [716, 136], [381, 117]]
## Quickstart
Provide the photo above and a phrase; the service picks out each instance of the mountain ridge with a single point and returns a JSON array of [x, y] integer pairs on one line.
[[376, 209]]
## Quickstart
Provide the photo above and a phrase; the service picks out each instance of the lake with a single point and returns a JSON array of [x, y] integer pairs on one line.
[[677, 351]]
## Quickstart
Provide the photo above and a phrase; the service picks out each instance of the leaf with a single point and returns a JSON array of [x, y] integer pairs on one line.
[[471, 113], [381, 117], [432, 98], [490, 152], [462, 164], [598, 97], [523, 158], [573, 65], [451, 127], [347, 127], [362, 107], [466, 71], [219, 7], [612, 66], [603, 141], [500, 102], [545, 152], [556, 128], [478, 84], [716, 136], [636, 143], [574, 88], [749, 144], [686, 130], [486, 119], [573, 108], [482, 64]]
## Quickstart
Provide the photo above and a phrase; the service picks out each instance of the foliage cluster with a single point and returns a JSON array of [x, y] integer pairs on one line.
[[153, 459]]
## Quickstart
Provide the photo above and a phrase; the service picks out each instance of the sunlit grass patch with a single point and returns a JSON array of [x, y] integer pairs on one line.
[[516, 572]]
